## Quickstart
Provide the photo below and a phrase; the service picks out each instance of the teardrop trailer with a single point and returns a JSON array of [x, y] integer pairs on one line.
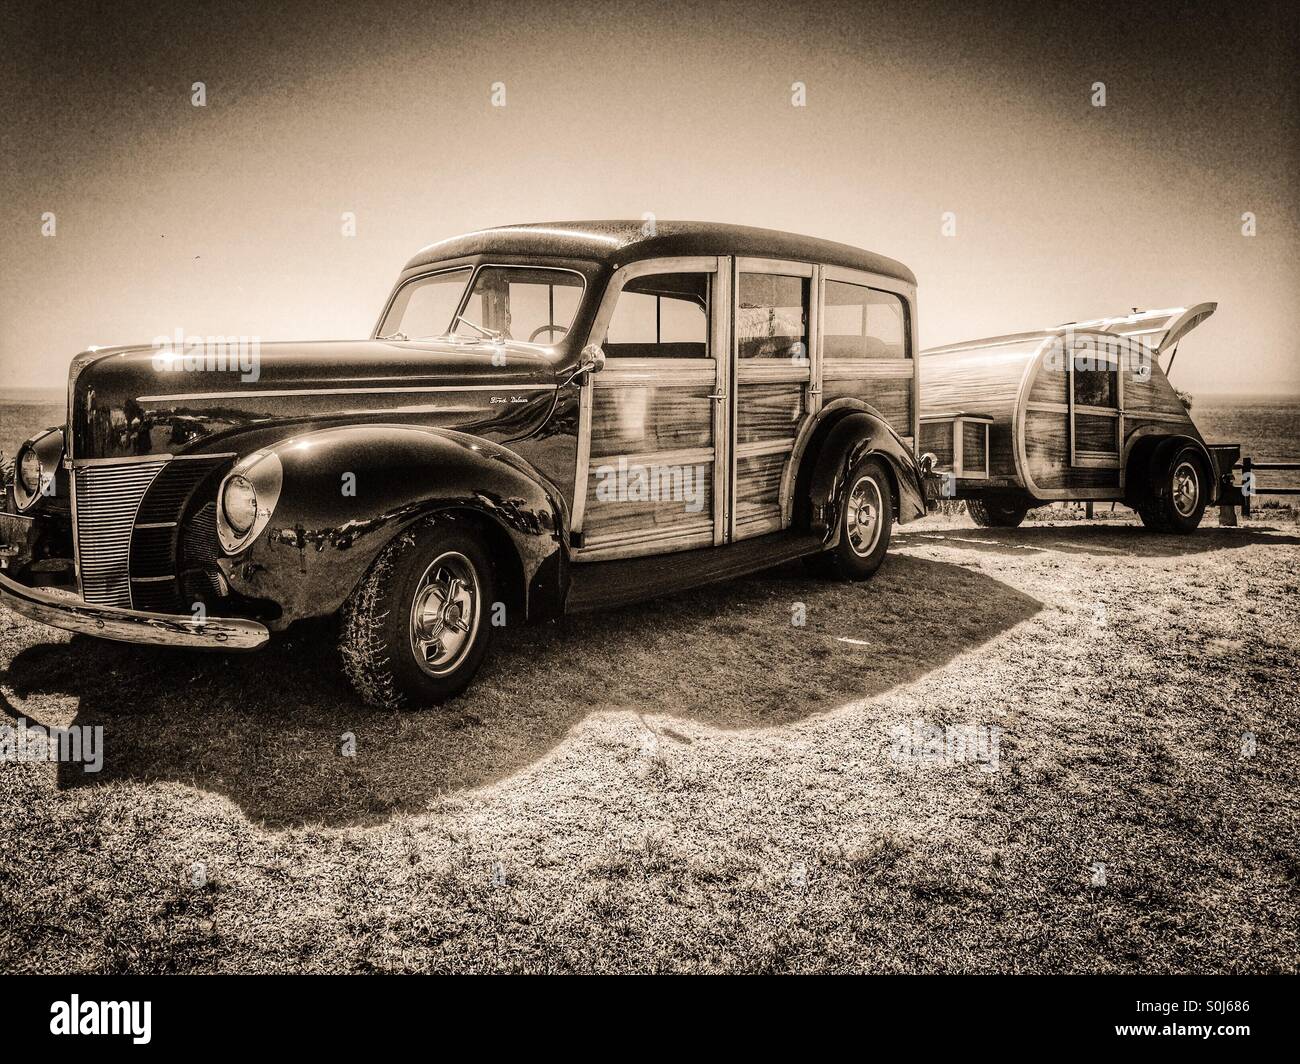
[[1080, 412]]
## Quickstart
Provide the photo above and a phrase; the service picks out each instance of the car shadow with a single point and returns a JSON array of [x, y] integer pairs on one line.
[[1097, 540], [270, 730]]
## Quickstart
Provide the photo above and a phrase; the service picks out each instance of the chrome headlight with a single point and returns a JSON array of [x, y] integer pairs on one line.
[[38, 461], [29, 470], [247, 498], [239, 503]]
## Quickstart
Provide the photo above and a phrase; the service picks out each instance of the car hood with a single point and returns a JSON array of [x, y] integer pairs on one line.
[[132, 401]]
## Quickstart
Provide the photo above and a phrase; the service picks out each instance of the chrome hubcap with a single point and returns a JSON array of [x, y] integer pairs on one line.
[[863, 516], [445, 613], [1187, 489]]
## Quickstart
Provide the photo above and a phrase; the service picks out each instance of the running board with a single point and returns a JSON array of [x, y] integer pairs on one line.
[[596, 585]]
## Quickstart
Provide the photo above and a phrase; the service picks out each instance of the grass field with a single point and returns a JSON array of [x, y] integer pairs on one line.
[[698, 784]]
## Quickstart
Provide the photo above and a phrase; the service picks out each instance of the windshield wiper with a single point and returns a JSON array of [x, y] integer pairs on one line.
[[395, 336], [491, 334]]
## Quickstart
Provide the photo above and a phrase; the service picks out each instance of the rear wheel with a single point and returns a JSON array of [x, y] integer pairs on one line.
[[1178, 504], [416, 629], [996, 513], [866, 521]]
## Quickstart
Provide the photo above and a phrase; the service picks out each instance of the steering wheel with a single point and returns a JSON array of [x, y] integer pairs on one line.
[[546, 328]]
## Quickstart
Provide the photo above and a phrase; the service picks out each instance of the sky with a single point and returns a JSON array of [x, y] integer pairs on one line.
[[226, 219]]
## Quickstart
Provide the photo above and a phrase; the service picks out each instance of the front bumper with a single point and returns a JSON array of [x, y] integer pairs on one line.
[[61, 609]]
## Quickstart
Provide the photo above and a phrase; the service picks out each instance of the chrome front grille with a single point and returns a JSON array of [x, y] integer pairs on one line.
[[106, 500]]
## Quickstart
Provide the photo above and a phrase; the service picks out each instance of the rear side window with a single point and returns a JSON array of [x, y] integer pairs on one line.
[[772, 316], [862, 323]]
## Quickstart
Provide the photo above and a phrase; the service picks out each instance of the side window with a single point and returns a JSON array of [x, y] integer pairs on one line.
[[663, 315], [860, 322], [772, 316]]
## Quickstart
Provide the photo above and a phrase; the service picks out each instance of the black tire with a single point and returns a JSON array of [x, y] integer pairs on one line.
[[862, 546], [1178, 501], [997, 513], [1152, 516], [379, 633]]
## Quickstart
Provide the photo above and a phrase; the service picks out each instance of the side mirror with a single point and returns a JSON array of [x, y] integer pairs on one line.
[[593, 359]]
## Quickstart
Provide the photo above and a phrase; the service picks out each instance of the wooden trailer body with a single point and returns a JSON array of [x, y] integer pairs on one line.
[[1071, 413]]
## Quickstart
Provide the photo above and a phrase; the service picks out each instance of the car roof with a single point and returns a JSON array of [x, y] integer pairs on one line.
[[620, 241]]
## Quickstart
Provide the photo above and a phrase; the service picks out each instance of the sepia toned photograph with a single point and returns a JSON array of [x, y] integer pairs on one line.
[[587, 488]]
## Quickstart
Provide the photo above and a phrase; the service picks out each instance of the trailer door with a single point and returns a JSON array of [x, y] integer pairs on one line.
[[1096, 404]]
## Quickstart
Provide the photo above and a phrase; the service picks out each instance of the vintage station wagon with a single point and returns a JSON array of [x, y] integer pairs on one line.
[[548, 418]]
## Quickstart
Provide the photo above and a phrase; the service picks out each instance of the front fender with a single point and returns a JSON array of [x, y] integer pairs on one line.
[[852, 438], [347, 491]]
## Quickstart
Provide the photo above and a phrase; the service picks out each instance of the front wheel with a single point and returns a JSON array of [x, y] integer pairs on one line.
[[416, 629], [1179, 504], [865, 522]]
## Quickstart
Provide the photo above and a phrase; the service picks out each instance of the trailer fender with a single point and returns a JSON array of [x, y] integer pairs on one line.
[[1149, 459]]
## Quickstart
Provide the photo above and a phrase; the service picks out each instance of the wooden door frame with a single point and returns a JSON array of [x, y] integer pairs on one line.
[[620, 369], [1095, 459], [809, 376]]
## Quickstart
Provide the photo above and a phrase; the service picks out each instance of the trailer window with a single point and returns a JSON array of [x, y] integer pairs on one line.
[[1095, 381], [860, 322]]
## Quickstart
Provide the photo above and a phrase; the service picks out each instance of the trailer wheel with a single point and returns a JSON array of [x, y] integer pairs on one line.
[[416, 629], [866, 520], [996, 513], [1179, 503]]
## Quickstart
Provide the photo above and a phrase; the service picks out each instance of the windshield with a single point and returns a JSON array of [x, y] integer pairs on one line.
[[533, 304], [424, 307], [521, 303]]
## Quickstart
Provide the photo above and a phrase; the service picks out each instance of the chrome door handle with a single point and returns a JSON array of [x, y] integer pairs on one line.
[[717, 395]]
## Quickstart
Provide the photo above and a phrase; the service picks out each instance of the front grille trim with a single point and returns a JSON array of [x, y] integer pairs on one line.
[[169, 528], [107, 500]]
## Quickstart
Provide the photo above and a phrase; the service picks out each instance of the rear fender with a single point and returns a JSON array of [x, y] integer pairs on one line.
[[851, 438]]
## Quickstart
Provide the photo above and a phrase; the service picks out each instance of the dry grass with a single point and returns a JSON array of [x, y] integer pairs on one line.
[[698, 785]]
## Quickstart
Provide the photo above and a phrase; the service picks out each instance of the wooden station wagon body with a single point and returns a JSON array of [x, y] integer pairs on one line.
[[1080, 412], [547, 418]]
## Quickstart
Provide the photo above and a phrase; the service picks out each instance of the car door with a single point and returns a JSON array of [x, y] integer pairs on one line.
[[653, 448], [774, 390]]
